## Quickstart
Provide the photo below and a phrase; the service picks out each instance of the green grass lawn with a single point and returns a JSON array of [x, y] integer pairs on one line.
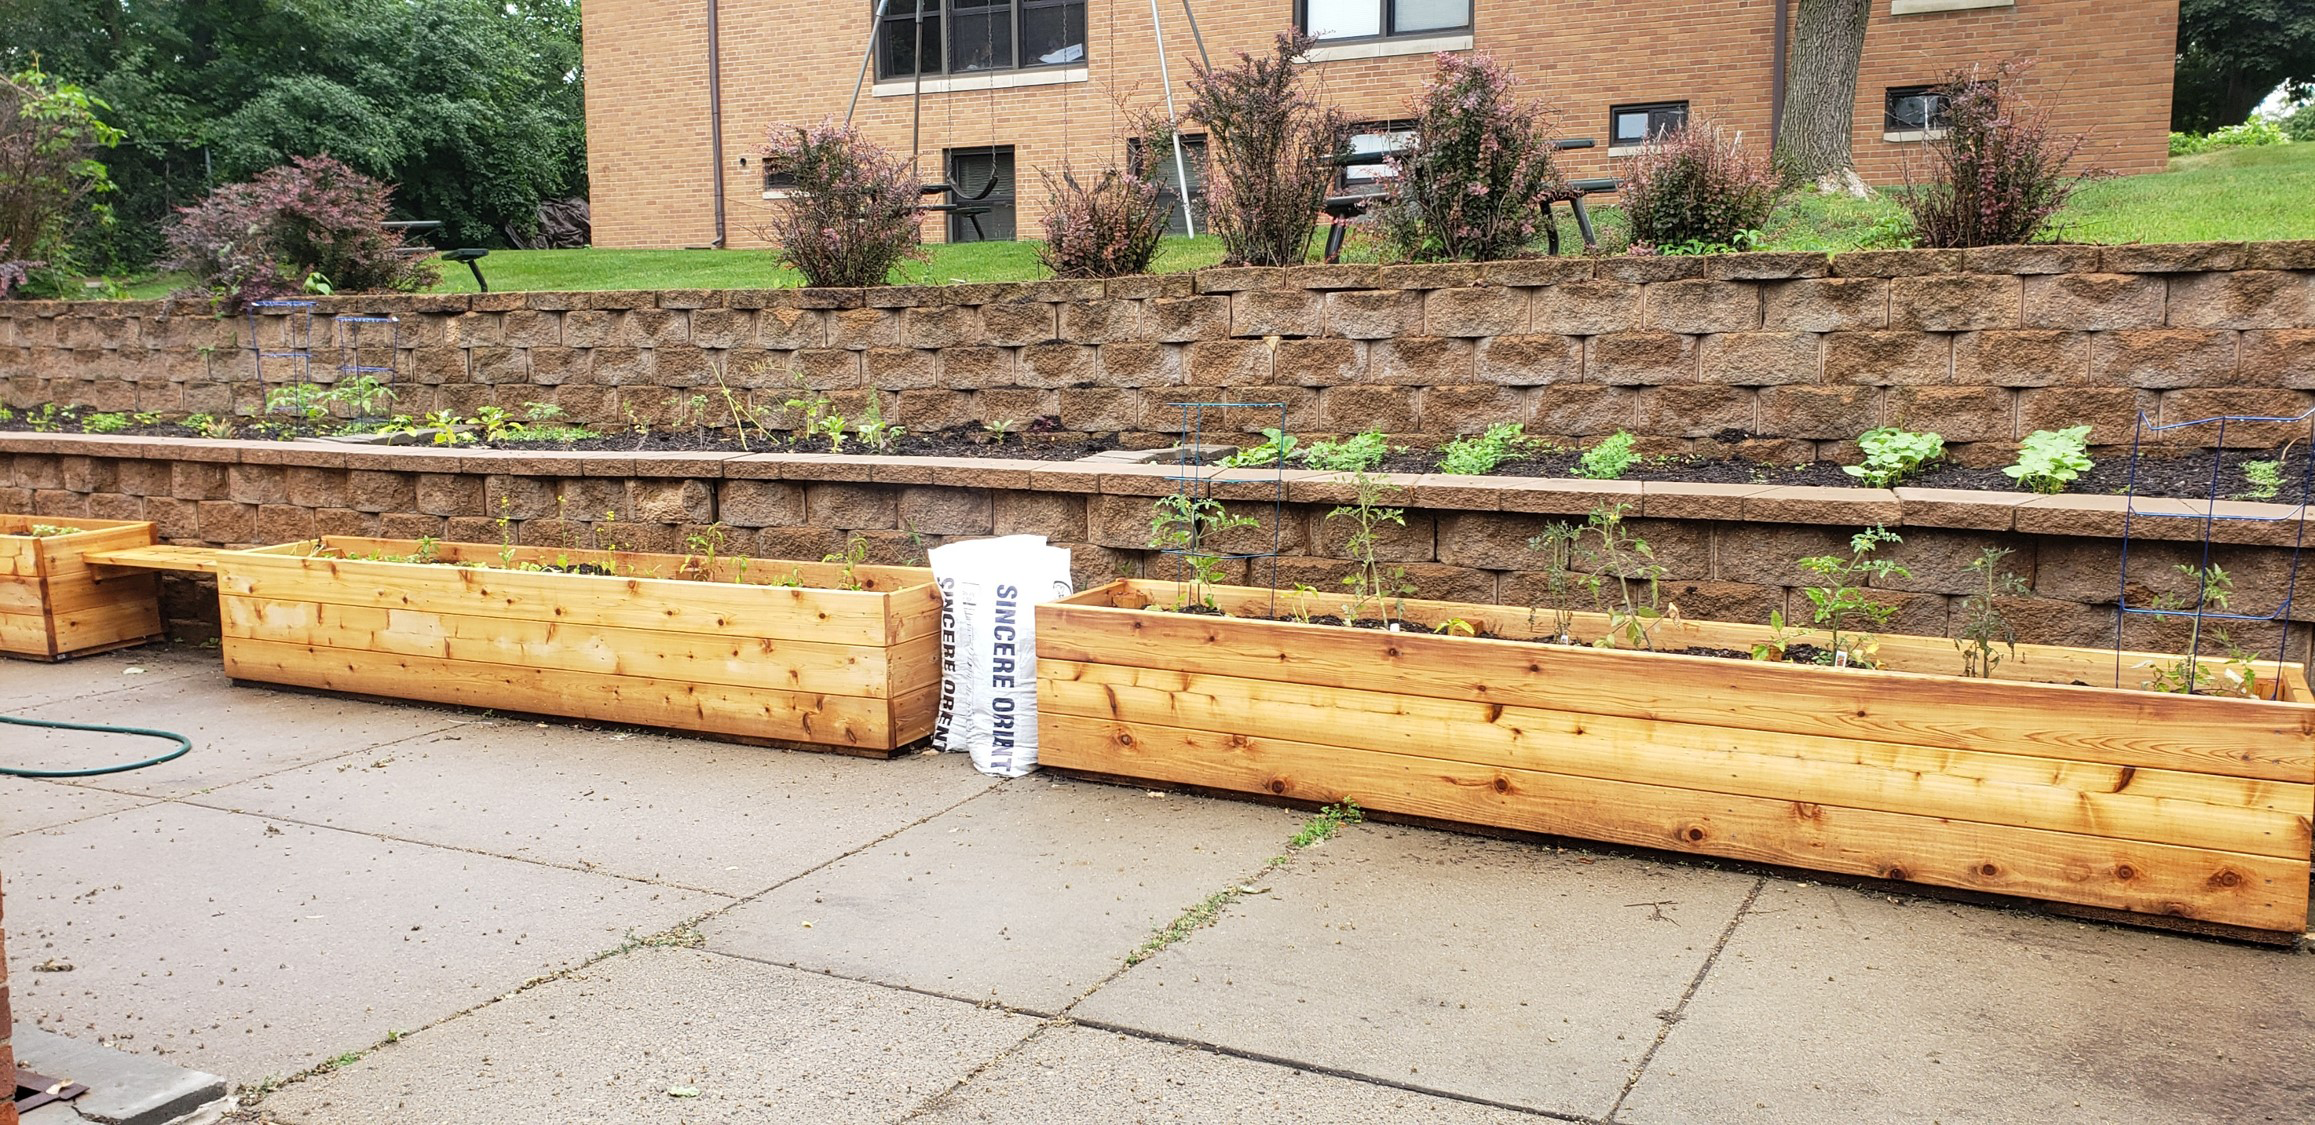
[[2228, 195]]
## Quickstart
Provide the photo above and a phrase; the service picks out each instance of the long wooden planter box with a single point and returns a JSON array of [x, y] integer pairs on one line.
[[2159, 804], [813, 665], [53, 604]]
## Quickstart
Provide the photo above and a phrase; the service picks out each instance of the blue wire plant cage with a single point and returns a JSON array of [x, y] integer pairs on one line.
[[1196, 520], [2249, 497]]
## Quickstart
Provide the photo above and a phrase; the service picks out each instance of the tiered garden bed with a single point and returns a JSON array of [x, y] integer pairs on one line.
[[2030, 784]]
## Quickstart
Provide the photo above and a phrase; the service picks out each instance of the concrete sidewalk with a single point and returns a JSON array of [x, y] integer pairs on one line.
[[367, 912]]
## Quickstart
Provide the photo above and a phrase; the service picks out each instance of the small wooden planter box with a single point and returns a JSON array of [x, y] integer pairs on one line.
[[811, 665], [53, 604], [2135, 801]]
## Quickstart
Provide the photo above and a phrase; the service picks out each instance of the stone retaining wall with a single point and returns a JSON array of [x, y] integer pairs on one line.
[[1728, 550], [1778, 356]]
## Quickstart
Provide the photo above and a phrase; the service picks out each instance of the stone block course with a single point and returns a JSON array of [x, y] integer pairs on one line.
[[1701, 306], [2094, 301], [1954, 302], [1475, 311], [1585, 308]]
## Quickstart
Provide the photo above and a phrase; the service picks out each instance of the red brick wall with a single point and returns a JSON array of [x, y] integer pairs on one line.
[[2106, 67]]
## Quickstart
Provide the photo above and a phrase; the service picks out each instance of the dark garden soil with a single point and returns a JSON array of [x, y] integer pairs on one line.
[[2165, 474]]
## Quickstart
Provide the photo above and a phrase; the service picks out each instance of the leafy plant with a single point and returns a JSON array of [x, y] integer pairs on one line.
[[2237, 675], [1111, 228], [2049, 460], [1998, 174], [1476, 179], [1455, 627], [51, 418], [1982, 623], [1303, 593], [1613, 552], [1356, 454], [363, 395], [212, 426], [497, 425], [446, 426], [852, 208], [874, 431], [1608, 460], [1369, 582], [998, 428], [50, 135], [1479, 455], [1780, 640], [1277, 445], [1842, 599], [1697, 184], [1181, 525], [2265, 478], [315, 215], [1892, 454], [1558, 545], [305, 400], [108, 423], [1268, 141]]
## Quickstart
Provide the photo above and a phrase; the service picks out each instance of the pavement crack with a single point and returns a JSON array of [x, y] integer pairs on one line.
[[1309, 1067], [1672, 1017]]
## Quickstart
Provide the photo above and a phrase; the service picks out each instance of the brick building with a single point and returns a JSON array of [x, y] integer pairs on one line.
[[1013, 87]]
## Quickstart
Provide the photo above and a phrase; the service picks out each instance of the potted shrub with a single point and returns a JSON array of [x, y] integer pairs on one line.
[[55, 603], [836, 654], [2016, 780]]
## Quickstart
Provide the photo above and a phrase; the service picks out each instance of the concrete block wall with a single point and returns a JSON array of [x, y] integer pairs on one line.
[[1781, 357], [1729, 551]]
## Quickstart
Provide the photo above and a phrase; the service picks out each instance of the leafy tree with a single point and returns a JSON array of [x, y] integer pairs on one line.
[[49, 138], [2233, 53], [473, 108]]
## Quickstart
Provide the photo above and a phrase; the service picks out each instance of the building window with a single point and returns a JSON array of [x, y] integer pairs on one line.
[[1913, 110], [1375, 137], [1630, 125], [990, 218], [1156, 164], [1371, 19], [939, 37]]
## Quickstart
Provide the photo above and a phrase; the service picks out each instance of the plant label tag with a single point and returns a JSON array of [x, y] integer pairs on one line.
[[1840, 660]]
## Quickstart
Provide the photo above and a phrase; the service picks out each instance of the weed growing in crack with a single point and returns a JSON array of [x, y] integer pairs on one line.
[[1323, 825]]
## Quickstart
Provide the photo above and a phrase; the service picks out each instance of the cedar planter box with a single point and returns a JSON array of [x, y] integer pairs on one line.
[[54, 604], [2134, 801], [813, 666]]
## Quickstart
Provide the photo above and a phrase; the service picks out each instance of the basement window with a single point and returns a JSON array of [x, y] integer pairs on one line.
[[1630, 126], [1156, 163], [971, 169], [1913, 113]]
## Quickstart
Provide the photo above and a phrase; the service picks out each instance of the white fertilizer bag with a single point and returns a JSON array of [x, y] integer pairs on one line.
[[988, 691]]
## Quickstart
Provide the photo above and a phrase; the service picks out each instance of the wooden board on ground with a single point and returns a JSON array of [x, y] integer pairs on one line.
[[55, 604], [2118, 799], [704, 649]]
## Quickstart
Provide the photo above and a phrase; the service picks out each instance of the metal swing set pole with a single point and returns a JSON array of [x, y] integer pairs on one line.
[[1181, 167]]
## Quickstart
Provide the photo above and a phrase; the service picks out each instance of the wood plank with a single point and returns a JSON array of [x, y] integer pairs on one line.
[[716, 609], [914, 712], [2241, 738], [915, 663], [2255, 891], [25, 635], [756, 712], [188, 560], [23, 595], [106, 626], [2032, 793], [738, 570], [1937, 656], [736, 661]]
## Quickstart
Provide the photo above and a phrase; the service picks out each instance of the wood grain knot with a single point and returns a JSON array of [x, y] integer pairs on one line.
[[2226, 878], [1503, 785], [1693, 834], [1278, 785], [2125, 872], [1988, 870]]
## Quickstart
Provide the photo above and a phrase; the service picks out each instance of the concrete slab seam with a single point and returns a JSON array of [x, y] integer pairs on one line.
[[685, 934], [1672, 1018]]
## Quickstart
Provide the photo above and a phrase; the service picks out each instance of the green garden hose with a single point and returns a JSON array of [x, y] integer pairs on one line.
[[184, 745]]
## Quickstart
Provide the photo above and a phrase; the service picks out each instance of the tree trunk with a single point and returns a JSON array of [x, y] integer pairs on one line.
[[1812, 139]]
